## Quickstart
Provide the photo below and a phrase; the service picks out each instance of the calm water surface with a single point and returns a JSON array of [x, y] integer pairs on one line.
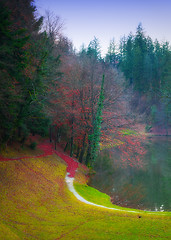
[[147, 187]]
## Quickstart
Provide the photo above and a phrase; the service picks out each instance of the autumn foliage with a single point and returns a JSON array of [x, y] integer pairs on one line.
[[50, 89]]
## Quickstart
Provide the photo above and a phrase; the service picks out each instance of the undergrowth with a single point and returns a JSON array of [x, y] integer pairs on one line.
[[35, 203]]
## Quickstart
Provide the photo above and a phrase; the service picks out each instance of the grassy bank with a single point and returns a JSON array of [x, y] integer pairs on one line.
[[36, 204]]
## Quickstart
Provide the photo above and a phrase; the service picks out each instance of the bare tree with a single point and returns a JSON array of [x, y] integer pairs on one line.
[[53, 26]]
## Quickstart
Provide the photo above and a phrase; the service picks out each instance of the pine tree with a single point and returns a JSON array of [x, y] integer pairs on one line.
[[111, 56], [11, 66]]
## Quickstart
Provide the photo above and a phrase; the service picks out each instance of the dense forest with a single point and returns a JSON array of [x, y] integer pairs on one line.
[[82, 101]]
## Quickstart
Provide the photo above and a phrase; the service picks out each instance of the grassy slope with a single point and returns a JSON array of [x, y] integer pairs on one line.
[[36, 204]]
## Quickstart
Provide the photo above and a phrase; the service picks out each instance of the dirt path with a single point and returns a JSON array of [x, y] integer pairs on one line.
[[70, 181], [72, 166], [47, 151], [71, 169]]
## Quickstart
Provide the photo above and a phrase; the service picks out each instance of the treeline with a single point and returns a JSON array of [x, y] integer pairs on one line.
[[147, 68], [45, 84], [48, 88], [25, 56], [88, 87]]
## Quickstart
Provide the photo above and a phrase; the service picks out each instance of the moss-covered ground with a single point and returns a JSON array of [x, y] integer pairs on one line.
[[35, 203]]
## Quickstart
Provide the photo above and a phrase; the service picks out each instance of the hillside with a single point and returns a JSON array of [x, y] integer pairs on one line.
[[35, 203]]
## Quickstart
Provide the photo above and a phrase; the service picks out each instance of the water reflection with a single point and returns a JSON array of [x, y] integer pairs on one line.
[[146, 187]]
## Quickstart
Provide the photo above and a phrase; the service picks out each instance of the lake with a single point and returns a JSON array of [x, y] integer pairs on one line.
[[146, 186]]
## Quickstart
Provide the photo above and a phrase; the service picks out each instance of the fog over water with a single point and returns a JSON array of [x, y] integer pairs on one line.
[[147, 187]]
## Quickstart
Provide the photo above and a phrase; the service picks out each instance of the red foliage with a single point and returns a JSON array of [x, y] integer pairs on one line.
[[132, 151], [72, 165], [47, 148]]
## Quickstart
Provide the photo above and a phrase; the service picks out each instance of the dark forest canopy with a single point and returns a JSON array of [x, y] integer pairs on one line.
[[147, 68], [46, 85]]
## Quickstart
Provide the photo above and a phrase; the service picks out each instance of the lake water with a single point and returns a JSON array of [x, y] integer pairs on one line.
[[145, 187]]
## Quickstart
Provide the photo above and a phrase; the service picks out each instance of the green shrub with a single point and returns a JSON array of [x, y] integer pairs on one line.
[[33, 145], [148, 128]]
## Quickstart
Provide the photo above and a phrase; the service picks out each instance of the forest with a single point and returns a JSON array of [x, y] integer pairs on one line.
[[81, 100]]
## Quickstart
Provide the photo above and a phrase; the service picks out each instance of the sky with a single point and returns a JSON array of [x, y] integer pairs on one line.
[[108, 19]]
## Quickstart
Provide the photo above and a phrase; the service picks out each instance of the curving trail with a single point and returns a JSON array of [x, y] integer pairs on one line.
[[71, 169], [70, 181], [72, 166], [47, 151]]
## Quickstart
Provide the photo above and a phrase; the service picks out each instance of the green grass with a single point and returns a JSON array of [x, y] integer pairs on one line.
[[35, 204], [97, 197], [128, 132], [93, 195]]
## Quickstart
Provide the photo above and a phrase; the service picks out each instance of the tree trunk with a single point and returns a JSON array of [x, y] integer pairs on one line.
[[55, 137], [82, 149], [66, 146], [78, 151], [19, 132], [71, 146], [72, 130], [50, 133], [88, 157]]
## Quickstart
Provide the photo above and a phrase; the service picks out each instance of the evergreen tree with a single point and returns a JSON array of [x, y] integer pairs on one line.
[[26, 66], [93, 50], [95, 137], [111, 56], [140, 83], [11, 65], [128, 59], [146, 67]]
